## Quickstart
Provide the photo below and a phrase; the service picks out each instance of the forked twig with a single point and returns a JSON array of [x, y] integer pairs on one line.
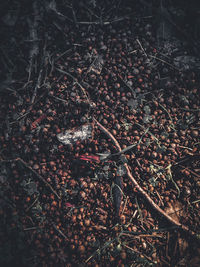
[[140, 190]]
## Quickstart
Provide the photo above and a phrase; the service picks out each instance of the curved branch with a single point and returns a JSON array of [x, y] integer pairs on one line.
[[140, 190]]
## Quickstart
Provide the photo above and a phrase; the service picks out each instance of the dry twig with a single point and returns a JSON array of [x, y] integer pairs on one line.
[[59, 231], [140, 190], [36, 174], [165, 62]]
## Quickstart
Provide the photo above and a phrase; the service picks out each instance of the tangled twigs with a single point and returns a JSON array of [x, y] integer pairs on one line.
[[36, 174], [140, 190]]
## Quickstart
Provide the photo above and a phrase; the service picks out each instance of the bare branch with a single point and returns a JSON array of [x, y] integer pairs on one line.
[[140, 190]]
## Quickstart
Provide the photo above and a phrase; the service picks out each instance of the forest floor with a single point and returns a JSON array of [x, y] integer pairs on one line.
[[99, 144]]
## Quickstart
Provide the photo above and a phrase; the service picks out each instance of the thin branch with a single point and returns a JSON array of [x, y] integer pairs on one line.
[[192, 172], [106, 245], [163, 61], [76, 82], [185, 159], [59, 231], [104, 22], [139, 188], [32, 204], [60, 99], [142, 47], [34, 25], [36, 87], [170, 117], [34, 172], [74, 15]]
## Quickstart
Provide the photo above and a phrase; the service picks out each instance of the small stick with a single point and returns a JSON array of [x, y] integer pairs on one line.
[[30, 228], [36, 88], [137, 252], [59, 231], [192, 172], [76, 82], [142, 47], [166, 111], [124, 205], [60, 99], [34, 172], [141, 190], [102, 22], [32, 204], [159, 197], [106, 245], [61, 55], [163, 61], [185, 147], [187, 158]]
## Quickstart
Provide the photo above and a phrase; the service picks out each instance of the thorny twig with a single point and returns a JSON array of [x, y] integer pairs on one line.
[[34, 172], [169, 173], [140, 189]]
